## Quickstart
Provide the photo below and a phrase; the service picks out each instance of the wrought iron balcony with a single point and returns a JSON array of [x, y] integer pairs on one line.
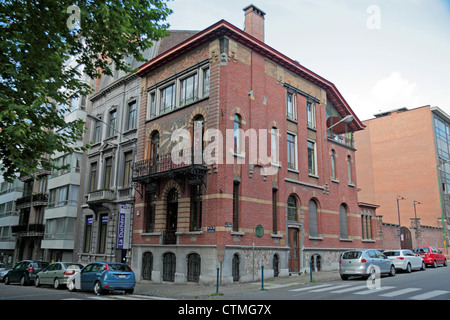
[[29, 230], [36, 200], [186, 163]]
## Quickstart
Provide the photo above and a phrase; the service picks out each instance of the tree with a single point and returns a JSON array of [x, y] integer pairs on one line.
[[36, 40]]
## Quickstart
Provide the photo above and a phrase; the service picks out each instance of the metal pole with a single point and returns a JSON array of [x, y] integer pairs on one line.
[[310, 271], [399, 224], [217, 284], [262, 278]]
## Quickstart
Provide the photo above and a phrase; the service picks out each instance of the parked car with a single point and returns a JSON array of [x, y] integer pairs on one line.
[[431, 255], [25, 272], [364, 263], [102, 277], [3, 271], [57, 273], [405, 260]]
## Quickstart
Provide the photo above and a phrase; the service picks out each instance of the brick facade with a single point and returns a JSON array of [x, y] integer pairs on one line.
[[250, 80]]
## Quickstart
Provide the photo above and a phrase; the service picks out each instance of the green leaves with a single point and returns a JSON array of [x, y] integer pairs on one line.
[[35, 45]]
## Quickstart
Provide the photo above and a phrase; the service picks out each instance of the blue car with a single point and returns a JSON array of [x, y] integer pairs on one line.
[[103, 277]]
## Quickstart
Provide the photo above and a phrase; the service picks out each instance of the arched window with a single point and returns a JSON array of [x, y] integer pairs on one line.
[[313, 219], [292, 208], [343, 221], [193, 267], [235, 267], [169, 265], [237, 133], [147, 266]]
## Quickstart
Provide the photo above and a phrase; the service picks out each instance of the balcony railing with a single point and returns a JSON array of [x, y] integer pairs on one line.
[[36, 199], [104, 195], [29, 229], [343, 138], [184, 160]]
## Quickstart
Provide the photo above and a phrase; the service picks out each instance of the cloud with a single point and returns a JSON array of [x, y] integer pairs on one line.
[[395, 91]]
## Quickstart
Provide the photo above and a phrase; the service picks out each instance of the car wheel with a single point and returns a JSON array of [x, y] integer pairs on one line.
[[445, 262], [23, 281], [129, 291], [434, 264], [424, 266], [98, 288], [37, 282], [7, 280], [71, 286], [392, 273], [344, 277], [56, 283], [408, 268]]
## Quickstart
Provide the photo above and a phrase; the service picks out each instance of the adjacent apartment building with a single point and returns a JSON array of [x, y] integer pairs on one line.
[[244, 158], [403, 165]]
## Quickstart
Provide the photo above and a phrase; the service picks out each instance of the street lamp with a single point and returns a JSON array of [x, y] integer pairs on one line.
[[346, 119], [399, 224], [415, 217]]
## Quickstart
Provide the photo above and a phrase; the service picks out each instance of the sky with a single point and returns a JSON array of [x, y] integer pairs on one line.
[[380, 54]]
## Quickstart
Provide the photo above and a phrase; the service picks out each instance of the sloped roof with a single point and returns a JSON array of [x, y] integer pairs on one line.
[[224, 28]]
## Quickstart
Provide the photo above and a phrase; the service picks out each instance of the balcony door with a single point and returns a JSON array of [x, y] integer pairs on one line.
[[172, 216]]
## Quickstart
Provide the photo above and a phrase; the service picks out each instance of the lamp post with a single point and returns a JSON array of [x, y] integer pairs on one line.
[[417, 224], [399, 224]]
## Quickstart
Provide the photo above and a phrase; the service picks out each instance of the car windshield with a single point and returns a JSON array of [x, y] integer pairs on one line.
[[391, 253], [73, 266], [352, 255], [119, 267], [421, 250]]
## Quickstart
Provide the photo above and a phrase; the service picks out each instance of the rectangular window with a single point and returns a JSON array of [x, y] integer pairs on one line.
[[188, 91], [87, 234], [167, 102], [112, 123], [310, 118], [290, 106], [127, 174], [97, 131], [108, 169], [291, 152], [93, 177], [196, 207], [131, 115], [151, 211], [102, 233], [152, 103], [236, 206], [312, 158], [206, 77]]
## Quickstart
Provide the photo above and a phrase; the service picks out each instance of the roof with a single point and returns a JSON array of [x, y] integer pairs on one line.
[[224, 28]]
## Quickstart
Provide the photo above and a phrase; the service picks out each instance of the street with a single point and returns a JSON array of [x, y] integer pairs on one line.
[[431, 284]]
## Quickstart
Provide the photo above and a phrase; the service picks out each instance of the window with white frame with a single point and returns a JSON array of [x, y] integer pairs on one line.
[[291, 151], [312, 159], [310, 115], [290, 105], [131, 124], [112, 123], [176, 92]]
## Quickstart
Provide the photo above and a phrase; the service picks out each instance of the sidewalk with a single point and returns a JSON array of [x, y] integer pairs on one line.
[[198, 291]]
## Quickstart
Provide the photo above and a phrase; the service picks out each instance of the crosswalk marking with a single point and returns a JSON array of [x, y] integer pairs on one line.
[[312, 287], [377, 290], [349, 289], [383, 291], [334, 287], [429, 295], [399, 292]]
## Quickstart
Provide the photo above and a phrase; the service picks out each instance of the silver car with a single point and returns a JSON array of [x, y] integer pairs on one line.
[[405, 260], [57, 273], [364, 263]]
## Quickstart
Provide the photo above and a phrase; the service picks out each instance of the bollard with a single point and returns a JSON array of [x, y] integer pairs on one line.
[[217, 284], [262, 278], [310, 272]]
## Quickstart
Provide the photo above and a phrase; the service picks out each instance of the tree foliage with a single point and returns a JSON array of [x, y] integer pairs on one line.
[[37, 38]]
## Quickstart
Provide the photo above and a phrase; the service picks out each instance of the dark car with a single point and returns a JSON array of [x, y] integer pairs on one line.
[[25, 272]]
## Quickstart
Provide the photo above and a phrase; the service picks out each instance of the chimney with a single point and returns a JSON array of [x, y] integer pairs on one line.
[[254, 22]]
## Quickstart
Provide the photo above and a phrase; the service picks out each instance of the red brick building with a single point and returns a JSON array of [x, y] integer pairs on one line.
[[236, 210]]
